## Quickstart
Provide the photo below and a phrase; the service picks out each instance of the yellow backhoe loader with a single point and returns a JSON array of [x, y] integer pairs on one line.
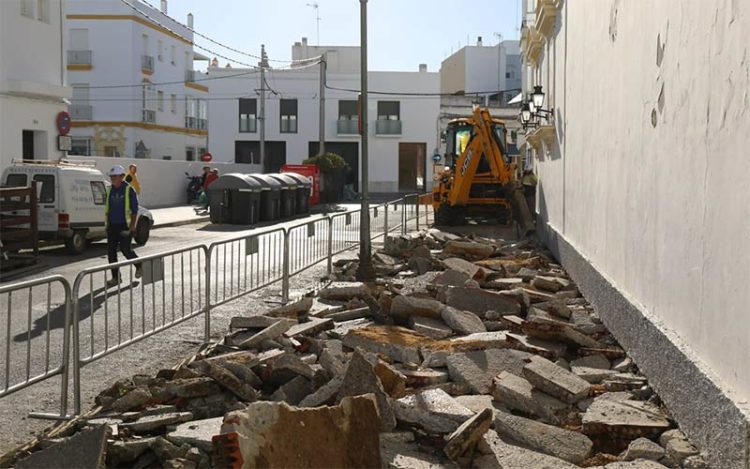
[[478, 177]]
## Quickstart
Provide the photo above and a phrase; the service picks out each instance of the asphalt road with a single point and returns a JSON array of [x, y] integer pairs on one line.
[[173, 288]]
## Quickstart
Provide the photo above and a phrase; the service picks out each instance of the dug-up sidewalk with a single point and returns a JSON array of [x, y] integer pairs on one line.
[[466, 352]]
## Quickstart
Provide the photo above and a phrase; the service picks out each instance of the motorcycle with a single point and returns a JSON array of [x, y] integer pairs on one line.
[[194, 188]]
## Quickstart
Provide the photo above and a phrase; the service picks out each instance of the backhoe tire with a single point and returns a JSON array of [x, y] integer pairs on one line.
[[447, 215]]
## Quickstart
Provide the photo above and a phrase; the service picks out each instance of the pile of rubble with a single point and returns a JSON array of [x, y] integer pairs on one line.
[[464, 353]]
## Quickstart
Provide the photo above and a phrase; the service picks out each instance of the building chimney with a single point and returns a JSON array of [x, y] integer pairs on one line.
[[422, 68], [190, 20], [479, 41], [164, 6], [304, 41]]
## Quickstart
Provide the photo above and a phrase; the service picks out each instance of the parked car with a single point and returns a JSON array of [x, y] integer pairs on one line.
[[71, 200]]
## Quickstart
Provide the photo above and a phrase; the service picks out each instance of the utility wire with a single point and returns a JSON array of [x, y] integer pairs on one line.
[[400, 93], [138, 85]]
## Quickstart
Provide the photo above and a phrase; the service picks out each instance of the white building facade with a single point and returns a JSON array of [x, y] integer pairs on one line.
[[403, 128], [643, 190], [483, 69], [32, 78], [135, 91]]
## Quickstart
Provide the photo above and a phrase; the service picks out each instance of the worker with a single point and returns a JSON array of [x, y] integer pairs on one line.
[[132, 179], [206, 172], [529, 182], [120, 211], [210, 177]]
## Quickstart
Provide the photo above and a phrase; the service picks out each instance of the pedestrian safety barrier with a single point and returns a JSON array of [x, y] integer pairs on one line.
[[95, 318]]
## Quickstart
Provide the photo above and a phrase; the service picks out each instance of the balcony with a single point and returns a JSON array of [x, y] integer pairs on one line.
[[196, 123], [531, 44], [149, 116], [388, 127], [79, 57], [347, 127], [147, 64], [546, 16], [81, 112], [190, 76]]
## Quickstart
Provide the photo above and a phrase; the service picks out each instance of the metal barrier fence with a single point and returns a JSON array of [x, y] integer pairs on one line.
[[38, 366], [178, 285]]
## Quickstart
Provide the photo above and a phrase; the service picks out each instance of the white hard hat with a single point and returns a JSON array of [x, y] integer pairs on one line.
[[117, 170]]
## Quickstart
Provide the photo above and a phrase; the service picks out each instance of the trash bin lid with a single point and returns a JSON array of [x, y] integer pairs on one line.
[[301, 180], [288, 182], [266, 181], [235, 181]]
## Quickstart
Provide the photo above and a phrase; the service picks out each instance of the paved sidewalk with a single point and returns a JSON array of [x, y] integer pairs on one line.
[[175, 216]]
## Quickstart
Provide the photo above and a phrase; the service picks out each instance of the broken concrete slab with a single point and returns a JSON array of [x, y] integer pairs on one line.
[[480, 301], [136, 398], [592, 375], [558, 308], [545, 348], [450, 277], [617, 415], [292, 310], [677, 445], [311, 327], [478, 368], [476, 403], [345, 327], [398, 343], [463, 322], [637, 464], [501, 455], [466, 436], [85, 449], [293, 391], [643, 448], [271, 332], [517, 393], [549, 284], [155, 422], [252, 322], [120, 452], [403, 307], [552, 329], [469, 250], [555, 380], [360, 378], [196, 433], [433, 410], [348, 315], [503, 283], [266, 435], [430, 327], [227, 380], [399, 454], [325, 395], [392, 379], [422, 378], [286, 368], [480, 341], [344, 291], [190, 388], [568, 445], [592, 361]]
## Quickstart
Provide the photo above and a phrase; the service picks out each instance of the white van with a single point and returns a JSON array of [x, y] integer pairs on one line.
[[71, 199]]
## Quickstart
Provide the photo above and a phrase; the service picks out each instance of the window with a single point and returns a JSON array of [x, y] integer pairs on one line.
[[173, 55], [47, 194], [111, 152], [248, 115], [288, 116], [159, 47], [348, 110], [149, 96], [190, 154], [80, 93], [507, 74], [80, 147], [27, 8], [99, 192], [42, 10], [173, 103], [389, 110], [16, 180], [160, 99]]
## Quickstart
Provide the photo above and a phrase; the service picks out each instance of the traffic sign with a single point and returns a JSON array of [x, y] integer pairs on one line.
[[206, 157], [436, 158], [63, 123]]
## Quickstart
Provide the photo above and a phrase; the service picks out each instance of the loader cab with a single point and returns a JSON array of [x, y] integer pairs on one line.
[[458, 134]]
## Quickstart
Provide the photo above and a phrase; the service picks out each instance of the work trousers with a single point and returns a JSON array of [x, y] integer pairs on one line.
[[116, 237]]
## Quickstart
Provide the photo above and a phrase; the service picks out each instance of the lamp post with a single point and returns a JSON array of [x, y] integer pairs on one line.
[[365, 271]]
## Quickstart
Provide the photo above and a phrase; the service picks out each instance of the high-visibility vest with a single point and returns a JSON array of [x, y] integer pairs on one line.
[[128, 216]]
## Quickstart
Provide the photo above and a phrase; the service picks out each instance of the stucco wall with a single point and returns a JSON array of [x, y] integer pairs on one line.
[[650, 180]]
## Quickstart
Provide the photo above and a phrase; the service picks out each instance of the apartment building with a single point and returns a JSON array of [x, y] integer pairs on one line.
[[403, 129], [136, 93], [32, 79]]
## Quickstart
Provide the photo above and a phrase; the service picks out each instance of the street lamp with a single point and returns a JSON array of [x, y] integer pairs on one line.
[[537, 97], [525, 114]]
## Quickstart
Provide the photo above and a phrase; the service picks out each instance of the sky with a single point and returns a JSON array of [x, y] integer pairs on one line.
[[401, 33]]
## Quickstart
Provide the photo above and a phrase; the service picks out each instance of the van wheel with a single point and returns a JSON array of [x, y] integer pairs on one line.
[[76, 244], [142, 231]]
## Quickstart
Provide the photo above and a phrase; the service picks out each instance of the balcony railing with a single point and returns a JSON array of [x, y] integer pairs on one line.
[[79, 57], [388, 127], [147, 62], [81, 112], [190, 76], [196, 123], [347, 127], [149, 116]]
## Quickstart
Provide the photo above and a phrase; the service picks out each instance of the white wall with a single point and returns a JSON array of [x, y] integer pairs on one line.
[[474, 69], [163, 183], [650, 180]]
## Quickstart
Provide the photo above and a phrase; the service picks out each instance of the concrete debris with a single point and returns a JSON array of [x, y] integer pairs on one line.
[[86, 449], [457, 334], [556, 381], [432, 410], [466, 436], [568, 445], [643, 448], [267, 434]]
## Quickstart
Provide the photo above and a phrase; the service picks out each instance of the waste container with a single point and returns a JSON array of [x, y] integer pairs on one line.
[[270, 197], [304, 188], [289, 187], [235, 198]]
